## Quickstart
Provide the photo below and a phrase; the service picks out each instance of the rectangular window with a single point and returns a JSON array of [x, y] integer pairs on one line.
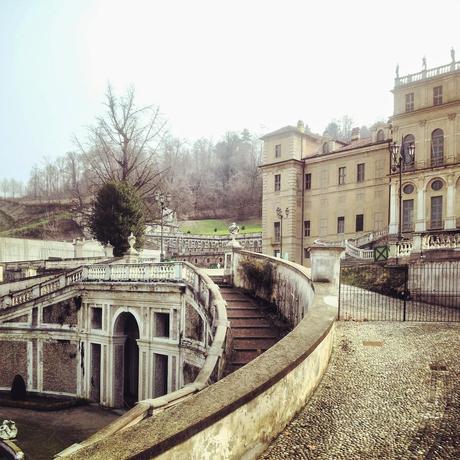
[[341, 224], [276, 253], [277, 182], [308, 181], [436, 212], [410, 102], [278, 151], [342, 175], [437, 95], [359, 222], [96, 318], [277, 231], [161, 324], [408, 215], [306, 228], [306, 253], [360, 172]]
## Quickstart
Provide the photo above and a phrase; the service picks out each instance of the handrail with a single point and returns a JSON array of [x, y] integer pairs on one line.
[[216, 308], [434, 72]]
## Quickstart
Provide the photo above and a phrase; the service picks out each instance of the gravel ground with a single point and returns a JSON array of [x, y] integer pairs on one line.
[[392, 391]]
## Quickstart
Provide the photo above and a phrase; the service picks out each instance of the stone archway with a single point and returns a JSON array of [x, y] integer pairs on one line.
[[126, 361]]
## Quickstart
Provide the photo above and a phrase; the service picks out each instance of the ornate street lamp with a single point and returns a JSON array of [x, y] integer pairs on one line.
[[281, 216], [401, 155], [163, 200]]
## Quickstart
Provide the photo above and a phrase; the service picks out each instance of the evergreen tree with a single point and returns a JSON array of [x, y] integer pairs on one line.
[[118, 211]]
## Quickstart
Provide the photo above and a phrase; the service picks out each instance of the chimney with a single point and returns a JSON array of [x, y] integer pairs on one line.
[[300, 126], [355, 134]]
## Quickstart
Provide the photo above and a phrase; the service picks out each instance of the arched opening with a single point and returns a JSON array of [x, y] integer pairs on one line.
[[437, 147], [380, 135], [126, 361], [408, 160]]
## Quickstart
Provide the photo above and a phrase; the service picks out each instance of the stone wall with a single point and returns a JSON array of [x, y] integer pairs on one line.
[[60, 366], [21, 249], [13, 360]]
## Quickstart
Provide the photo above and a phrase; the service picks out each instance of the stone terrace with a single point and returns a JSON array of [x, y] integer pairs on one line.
[[392, 391]]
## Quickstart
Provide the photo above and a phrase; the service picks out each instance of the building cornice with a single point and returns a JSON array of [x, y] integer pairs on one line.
[[290, 160], [424, 109]]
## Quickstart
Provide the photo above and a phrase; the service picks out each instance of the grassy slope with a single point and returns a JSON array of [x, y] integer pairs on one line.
[[207, 226]]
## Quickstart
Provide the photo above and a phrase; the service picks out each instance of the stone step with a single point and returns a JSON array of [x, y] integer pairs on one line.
[[234, 299], [249, 322], [254, 332], [240, 358], [244, 313], [253, 343], [242, 307]]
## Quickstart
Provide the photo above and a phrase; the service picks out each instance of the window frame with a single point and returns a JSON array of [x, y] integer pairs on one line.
[[361, 177], [359, 217], [307, 182], [277, 231], [437, 95], [409, 102], [340, 223], [306, 228], [437, 147], [277, 182], [278, 151], [408, 215], [342, 175], [436, 223]]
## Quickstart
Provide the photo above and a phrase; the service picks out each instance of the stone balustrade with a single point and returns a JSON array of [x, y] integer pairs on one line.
[[430, 73], [239, 415]]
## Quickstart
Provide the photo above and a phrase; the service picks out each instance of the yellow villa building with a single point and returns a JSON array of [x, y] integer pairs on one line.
[[319, 188]]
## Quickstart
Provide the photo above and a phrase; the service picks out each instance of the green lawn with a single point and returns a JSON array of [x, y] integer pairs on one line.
[[207, 226]]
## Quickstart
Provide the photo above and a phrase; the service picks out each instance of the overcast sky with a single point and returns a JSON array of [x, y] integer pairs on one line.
[[211, 65]]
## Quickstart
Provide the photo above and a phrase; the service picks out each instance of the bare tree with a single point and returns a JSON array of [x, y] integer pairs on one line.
[[124, 142]]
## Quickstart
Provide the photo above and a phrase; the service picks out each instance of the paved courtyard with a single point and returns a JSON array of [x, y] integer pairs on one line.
[[43, 434], [392, 391]]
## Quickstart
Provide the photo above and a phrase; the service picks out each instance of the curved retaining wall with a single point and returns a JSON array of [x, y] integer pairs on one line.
[[238, 416]]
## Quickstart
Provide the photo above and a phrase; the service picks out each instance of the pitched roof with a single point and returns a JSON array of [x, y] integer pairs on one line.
[[290, 129]]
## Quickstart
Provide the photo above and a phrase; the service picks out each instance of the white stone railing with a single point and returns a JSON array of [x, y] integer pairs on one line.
[[403, 248], [209, 300], [434, 72], [441, 241], [358, 253]]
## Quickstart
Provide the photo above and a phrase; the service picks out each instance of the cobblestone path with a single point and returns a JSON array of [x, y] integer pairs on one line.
[[392, 391]]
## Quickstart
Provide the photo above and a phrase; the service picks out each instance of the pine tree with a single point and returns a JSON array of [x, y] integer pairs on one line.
[[117, 211]]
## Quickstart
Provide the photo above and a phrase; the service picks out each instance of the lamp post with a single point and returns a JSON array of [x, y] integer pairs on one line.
[[163, 200], [281, 216], [401, 155]]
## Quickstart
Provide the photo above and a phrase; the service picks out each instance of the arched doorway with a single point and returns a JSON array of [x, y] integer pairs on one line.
[[126, 361]]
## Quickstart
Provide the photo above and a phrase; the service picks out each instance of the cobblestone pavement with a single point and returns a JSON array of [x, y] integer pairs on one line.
[[392, 391], [41, 435]]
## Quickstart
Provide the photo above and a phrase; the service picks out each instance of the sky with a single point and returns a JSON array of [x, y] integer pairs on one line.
[[211, 66]]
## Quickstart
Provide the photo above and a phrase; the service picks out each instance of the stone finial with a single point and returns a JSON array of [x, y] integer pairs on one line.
[[452, 54], [424, 63], [131, 241], [234, 230], [397, 70], [8, 430]]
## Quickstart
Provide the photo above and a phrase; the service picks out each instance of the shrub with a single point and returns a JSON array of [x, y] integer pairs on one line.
[[259, 275]]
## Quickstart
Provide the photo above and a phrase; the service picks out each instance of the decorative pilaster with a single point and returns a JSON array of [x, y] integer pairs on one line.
[[420, 223], [393, 228], [450, 220]]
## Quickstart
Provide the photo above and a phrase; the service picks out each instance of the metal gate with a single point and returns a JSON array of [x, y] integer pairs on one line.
[[419, 292]]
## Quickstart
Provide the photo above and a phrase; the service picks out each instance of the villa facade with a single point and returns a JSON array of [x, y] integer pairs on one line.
[[315, 187]]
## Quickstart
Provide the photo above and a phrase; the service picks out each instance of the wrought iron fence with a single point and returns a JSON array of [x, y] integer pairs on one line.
[[419, 292]]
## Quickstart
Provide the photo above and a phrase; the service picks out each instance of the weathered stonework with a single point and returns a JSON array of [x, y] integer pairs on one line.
[[13, 361], [60, 366]]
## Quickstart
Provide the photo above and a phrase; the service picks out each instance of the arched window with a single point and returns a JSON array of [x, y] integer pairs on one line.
[[326, 147], [380, 135], [408, 161], [437, 147]]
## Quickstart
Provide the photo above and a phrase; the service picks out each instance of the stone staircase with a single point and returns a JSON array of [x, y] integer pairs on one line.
[[252, 324]]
